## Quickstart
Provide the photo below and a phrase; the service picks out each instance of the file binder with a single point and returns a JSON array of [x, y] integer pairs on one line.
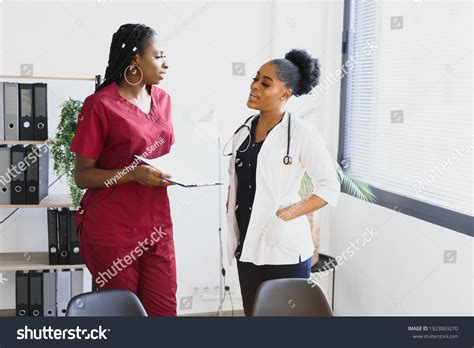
[[26, 111], [18, 175], [49, 294], [22, 293], [77, 282], [75, 257], [63, 237], [5, 177], [53, 243], [36, 174], [11, 112], [40, 114], [63, 286], [36, 294], [2, 112]]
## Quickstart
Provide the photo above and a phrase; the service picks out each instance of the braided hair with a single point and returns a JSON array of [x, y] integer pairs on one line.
[[299, 71], [127, 41]]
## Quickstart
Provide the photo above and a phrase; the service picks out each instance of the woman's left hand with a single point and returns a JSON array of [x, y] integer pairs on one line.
[[283, 214]]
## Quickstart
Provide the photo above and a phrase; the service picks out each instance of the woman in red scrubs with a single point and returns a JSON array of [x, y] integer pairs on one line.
[[124, 219]]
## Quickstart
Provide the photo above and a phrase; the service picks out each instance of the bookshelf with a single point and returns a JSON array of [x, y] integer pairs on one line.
[[23, 142], [51, 201], [26, 261], [35, 261]]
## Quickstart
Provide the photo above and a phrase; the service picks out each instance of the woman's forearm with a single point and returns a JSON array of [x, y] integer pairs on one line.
[[94, 178], [307, 205]]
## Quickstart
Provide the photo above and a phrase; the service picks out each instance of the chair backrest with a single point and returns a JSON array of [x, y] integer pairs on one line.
[[292, 297], [107, 303]]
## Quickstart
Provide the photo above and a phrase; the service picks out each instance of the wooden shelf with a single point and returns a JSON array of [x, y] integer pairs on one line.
[[7, 312], [34, 261], [24, 142], [51, 201], [64, 78]]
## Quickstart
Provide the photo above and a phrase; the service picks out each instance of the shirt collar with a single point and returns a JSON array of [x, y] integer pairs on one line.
[[282, 123]]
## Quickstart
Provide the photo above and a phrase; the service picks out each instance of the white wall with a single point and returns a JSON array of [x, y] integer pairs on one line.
[[1, 35], [401, 271], [202, 40]]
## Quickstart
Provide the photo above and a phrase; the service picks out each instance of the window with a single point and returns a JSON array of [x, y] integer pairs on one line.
[[406, 107]]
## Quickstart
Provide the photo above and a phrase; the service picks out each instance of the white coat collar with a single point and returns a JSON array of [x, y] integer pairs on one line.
[[283, 123]]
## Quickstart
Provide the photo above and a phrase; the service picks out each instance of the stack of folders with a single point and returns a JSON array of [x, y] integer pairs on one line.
[[47, 293], [23, 174], [23, 111], [63, 239]]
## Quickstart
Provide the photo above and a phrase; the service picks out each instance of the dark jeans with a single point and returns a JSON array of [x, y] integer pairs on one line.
[[251, 276]]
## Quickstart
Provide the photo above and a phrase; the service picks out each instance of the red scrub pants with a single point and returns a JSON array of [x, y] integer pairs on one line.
[[150, 274]]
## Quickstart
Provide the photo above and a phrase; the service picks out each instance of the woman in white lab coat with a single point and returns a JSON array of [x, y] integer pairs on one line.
[[269, 234]]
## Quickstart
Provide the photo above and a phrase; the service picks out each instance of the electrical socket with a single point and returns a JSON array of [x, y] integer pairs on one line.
[[206, 289], [196, 290]]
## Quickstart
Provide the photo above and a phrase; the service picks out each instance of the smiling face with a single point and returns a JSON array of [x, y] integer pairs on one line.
[[152, 62], [267, 91]]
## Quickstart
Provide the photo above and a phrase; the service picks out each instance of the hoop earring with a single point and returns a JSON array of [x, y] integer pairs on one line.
[[133, 69]]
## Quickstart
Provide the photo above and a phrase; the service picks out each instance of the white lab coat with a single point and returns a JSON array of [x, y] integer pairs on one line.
[[269, 239]]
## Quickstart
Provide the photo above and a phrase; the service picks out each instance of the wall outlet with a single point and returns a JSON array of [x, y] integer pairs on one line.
[[196, 290], [207, 289]]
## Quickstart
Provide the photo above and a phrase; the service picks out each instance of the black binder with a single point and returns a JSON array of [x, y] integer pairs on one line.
[[53, 245], [36, 294], [26, 111], [63, 237], [22, 293], [74, 249], [37, 173], [40, 111], [18, 176]]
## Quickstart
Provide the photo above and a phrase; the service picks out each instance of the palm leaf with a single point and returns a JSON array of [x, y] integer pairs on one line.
[[354, 186], [349, 183]]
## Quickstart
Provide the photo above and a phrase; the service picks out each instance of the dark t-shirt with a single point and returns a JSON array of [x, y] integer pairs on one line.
[[246, 169]]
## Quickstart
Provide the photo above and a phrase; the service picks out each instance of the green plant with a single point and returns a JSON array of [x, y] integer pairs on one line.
[[354, 186], [350, 184], [64, 160]]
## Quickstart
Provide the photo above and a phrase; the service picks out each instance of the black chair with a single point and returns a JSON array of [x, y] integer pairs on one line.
[[107, 303], [292, 297]]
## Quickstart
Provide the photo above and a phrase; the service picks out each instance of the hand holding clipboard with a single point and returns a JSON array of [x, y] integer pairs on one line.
[[179, 175]]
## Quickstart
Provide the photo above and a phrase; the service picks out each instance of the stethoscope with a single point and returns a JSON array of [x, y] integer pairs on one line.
[[286, 160]]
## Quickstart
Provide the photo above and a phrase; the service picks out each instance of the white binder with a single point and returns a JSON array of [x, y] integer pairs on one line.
[[49, 293], [63, 291], [11, 111], [5, 182]]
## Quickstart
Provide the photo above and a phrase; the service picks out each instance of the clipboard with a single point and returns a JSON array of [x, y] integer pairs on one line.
[[182, 178]]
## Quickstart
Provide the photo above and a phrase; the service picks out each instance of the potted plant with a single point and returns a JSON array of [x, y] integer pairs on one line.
[[349, 184], [64, 160]]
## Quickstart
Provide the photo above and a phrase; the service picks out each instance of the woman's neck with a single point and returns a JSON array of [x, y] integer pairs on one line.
[[268, 119], [139, 91]]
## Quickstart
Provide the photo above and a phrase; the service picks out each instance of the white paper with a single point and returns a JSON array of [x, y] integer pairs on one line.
[[180, 173]]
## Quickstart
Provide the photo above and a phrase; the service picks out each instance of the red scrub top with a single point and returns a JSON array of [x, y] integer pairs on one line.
[[112, 130]]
